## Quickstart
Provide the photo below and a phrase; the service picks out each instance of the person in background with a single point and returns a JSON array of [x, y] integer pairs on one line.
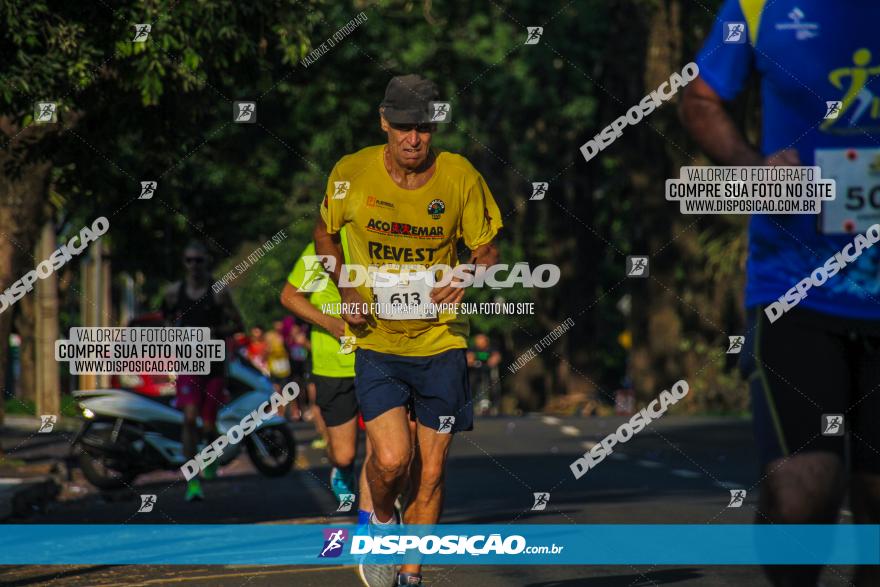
[[483, 361], [190, 302], [822, 357], [301, 357], [335, 405], [276, 358], [13, 366], [256, 349], [278, 363], [286, 327], [299, 347]]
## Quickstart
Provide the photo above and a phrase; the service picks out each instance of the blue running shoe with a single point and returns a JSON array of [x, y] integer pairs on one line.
[[342, 481]]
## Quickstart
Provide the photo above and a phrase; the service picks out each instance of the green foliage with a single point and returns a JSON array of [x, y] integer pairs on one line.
[[161, 111]]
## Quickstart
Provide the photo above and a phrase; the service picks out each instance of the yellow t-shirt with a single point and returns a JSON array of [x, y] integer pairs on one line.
[[418, 228]]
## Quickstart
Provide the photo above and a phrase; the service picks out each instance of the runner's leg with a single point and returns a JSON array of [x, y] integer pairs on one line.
[[213, 397], [190, 434], [426, 489], [799, 371], [189, 400], [442, 391], [864, 434], [336, 405], [803, 489], [389, 461], [342, 443], [315, 413], [865, 503], [365, 500], [414, 463]]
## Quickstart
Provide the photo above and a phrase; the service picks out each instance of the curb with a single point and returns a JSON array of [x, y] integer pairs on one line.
[[32, 424], [19, 496]]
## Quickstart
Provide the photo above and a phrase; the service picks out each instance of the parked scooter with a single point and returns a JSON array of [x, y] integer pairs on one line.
[[125, 434]]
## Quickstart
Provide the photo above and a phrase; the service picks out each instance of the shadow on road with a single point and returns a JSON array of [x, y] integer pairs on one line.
[[53, 576], [665, 577]]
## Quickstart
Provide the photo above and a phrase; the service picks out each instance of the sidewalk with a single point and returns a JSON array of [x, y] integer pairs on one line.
[[30, 475]]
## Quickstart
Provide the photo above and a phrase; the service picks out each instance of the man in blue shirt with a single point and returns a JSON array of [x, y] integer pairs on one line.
[[819, 68]]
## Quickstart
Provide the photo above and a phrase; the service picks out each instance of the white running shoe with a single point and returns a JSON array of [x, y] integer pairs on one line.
[[379, 575]]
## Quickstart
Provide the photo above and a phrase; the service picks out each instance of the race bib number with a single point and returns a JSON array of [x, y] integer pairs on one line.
[[404, 296], [857, 174], [279, 367]]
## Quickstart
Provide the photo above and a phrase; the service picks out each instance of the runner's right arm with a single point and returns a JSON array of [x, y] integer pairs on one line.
[[297, 302], [331, 246], [725, 68], [328, 242], [704, 116]]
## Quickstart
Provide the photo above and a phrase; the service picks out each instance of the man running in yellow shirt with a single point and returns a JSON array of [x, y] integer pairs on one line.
[[405, 208]]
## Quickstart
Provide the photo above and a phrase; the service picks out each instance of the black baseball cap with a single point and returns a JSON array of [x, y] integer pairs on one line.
[[407, 98]]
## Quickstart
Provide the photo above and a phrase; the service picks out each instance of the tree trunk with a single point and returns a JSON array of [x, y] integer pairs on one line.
[[656, 324], [25, 322], [23, 191], [48, 382], [5, 329]]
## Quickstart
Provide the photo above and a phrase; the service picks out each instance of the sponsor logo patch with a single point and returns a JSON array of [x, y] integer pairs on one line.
[[436, 209], [374, 202], [403, 229]]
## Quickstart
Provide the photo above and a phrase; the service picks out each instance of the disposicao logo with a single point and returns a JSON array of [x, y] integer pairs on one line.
[[334, 542]]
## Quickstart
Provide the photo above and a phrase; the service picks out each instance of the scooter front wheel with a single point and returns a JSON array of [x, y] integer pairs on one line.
[[101, 474], [272, 450], [104, 458]]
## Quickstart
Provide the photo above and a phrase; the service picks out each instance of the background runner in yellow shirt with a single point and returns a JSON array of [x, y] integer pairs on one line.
[[405, 205], [307, 291]]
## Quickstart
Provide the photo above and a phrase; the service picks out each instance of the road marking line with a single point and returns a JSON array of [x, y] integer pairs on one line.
[[550, 420], [570, 431], [649, 464], [226, 575], [313, 520], [728, 485], [685, 473]]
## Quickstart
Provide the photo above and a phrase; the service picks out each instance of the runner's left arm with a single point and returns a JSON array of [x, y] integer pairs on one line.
[[480, 222]]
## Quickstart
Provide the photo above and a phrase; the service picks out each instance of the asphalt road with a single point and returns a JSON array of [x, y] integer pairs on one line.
[[679, 470]]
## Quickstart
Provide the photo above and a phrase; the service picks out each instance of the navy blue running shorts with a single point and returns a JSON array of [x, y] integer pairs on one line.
[[436, 385]]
